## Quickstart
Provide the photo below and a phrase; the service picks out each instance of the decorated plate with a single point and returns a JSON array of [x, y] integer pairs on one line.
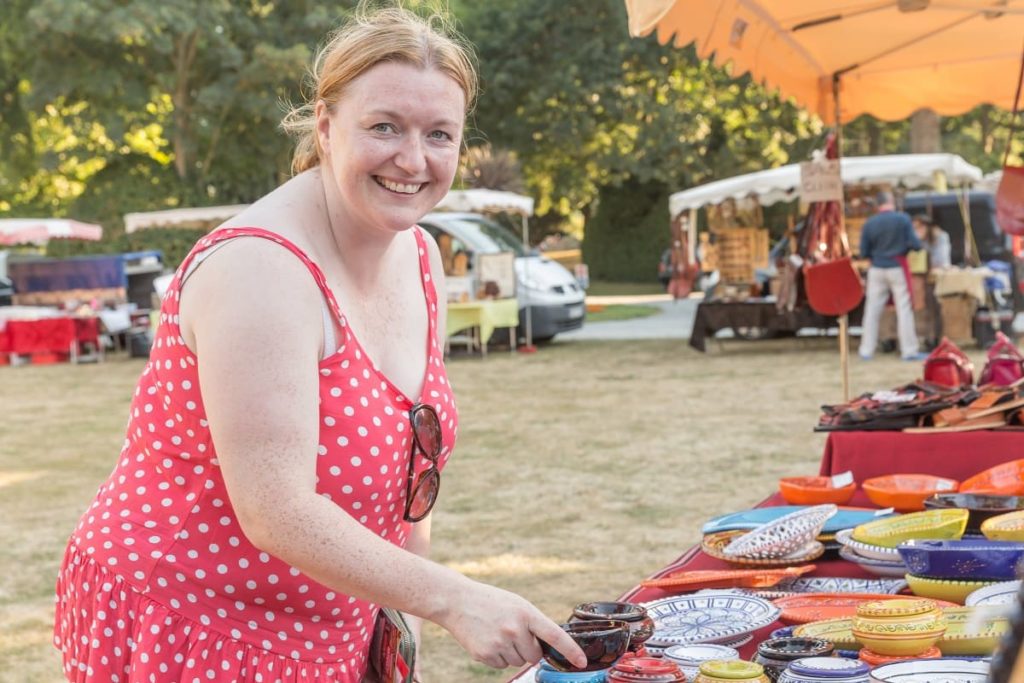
[[801, 609], [784, 536], [842, 584], [839, 632], [714, 545], [708, 617], [727, 578], [846, 518], [879, 567], [931, 671], [1002, 593], [874, 552]]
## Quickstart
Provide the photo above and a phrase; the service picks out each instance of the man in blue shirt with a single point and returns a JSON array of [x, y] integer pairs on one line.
[[885, 240]]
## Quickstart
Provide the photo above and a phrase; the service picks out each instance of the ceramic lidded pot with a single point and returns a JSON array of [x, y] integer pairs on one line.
[[825, 670], [899, 627], [641, 626], [776, 654], [735, 671], [631, 669], [547, 674]]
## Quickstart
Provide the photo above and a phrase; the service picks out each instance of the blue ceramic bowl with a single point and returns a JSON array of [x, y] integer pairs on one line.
[[964, 559], [826, 670], [546, 674]]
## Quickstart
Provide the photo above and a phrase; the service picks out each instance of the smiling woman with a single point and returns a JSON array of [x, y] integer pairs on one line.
[[288, 437]]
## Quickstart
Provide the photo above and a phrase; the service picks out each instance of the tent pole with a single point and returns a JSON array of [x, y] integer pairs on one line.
[[844, 319], [526, 274]]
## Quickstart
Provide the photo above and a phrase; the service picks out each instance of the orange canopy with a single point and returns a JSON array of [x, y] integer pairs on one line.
[[893, 57]]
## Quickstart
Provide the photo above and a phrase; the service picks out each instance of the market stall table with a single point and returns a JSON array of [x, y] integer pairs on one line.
[[755, 319], [58, 335], [483, 317]]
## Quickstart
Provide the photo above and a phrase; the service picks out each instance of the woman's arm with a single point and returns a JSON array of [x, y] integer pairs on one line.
[[253, 313]]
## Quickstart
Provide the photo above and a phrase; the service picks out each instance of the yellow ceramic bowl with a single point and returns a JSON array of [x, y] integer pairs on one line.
[[839, 632], [1008, 527], [945, 524], [899, 627], [953, 590], [731, 671], [981, 640]]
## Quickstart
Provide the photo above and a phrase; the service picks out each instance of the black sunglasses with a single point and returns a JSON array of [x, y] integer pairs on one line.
[[421, 491]]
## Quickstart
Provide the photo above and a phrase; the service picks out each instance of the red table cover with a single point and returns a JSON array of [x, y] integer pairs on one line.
[[47, 335]]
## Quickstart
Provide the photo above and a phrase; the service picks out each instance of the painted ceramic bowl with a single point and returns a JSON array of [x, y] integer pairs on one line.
[[632, 669], [1008, 527], [821, 669], [815, 491], [715, 544], [963, 559], [953, 590], [894, 568], [906, 492], [1006, 479], [868, 550], [731, 672], [641, 626], [966, 634], [689, 657], [602, 642], [546, 674], [899, 627], [783, 536], [1002, 593], [839, 632], [981, 506], [776, 654], [946, 670], [931, 524]]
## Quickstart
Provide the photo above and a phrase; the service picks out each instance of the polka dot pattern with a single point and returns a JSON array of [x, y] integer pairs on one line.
[[159, 583]]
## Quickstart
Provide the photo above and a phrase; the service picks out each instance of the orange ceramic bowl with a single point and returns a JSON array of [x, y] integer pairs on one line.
[[1006, 479], [814, 491], [906, 492]]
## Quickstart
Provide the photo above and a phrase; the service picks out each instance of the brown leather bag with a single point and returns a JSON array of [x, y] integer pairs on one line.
[[833, 287]]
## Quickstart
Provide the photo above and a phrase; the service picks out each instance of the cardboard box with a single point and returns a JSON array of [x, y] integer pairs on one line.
[[958, 317]]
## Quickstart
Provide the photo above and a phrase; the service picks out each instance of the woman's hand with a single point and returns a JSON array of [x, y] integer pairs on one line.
[[501, 629]]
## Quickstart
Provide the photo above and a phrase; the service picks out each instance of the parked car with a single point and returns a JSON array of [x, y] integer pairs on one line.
[[993, 244], [6, 291], [555, 299]]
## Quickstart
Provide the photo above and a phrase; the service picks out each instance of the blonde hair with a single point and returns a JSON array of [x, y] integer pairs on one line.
[[371, 37]]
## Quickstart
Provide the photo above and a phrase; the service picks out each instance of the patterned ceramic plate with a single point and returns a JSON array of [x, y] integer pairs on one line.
[[842, 584], [714, 545], [801, 609], [846, 518], [932, 671], [1002, 593], [708, 617], [874, 552], [879, 567]]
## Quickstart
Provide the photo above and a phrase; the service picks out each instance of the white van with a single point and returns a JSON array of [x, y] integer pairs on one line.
[[556, 300]]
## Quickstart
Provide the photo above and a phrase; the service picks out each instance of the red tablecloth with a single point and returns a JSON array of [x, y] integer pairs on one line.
[[48, 335], [957, 455]]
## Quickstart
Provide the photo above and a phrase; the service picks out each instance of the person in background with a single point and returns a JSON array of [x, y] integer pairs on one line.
[[286, 439], [886, 239], [935, 240]]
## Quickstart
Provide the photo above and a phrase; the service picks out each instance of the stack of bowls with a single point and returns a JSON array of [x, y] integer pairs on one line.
[[899, 628], [825, 670], [689, 657], [952, 570], [776, 654]]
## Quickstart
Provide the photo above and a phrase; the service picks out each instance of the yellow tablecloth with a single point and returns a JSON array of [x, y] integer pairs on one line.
[[487, 314]]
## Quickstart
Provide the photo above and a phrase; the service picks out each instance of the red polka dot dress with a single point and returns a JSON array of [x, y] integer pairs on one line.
[[159, 583]]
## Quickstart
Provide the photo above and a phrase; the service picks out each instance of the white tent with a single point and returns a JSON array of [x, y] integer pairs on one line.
[[42, 230], [484, 201], [783, 183], [171, 217]]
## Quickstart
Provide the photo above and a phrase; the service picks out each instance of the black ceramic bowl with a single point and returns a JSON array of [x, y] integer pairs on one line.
[[981, 506], [641, 626], [602, 640], [776, 654]]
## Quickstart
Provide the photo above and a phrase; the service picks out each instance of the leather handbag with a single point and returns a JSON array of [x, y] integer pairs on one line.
[[1005, 363], [833, 287], [392, 649], [948, 365], [1010, 193]]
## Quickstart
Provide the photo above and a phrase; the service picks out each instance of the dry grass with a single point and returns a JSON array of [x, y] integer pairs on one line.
[[579, 470]]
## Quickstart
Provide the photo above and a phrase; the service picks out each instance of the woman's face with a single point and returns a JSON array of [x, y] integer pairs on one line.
[[392, 143], [920, 229]]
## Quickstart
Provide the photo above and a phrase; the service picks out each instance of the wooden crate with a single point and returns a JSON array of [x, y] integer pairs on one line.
[[740, 251], [854, 227]]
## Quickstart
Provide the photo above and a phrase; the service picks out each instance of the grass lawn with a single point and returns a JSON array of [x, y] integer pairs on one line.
[[580, 469], [603, 288], [620, 312]]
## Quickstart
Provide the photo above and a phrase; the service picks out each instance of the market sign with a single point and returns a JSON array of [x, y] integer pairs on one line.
[[820, 181]]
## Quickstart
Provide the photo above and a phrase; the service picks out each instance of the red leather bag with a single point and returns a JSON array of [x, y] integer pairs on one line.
[[1005, 364], [833, 287], [948, 365]]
